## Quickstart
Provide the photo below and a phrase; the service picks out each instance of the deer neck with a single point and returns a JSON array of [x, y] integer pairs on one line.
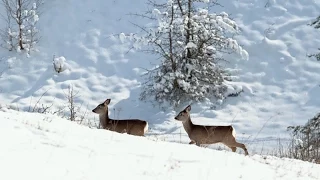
[[104, 119], [188, 126]]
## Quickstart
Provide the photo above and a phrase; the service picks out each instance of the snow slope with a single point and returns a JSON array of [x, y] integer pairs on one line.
[[281, 85], [48, 147]]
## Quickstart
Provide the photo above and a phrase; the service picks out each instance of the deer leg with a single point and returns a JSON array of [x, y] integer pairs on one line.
[[233, 149], [141, 133], [124, 131], [194, 142], [242, 146], [234, 144]]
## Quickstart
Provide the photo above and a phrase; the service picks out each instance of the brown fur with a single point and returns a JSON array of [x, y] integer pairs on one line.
[[199, 134], [135, 127]]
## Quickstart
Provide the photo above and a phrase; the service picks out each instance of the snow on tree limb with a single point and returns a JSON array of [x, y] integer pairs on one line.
[[190, 42], [21, 17]]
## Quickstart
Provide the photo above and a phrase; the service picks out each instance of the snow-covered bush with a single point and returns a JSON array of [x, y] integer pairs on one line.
[[21, 18], [191, 42], [307, 140], [59, 64]]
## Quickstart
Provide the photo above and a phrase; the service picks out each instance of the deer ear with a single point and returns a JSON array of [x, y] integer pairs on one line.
[[106, 102], [188, 108]]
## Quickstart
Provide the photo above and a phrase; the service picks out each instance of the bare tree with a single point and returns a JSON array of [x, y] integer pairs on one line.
[[21, 19], [5, 33], [71, 95]]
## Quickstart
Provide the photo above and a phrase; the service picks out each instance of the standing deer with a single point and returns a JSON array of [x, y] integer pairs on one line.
[[209, 134], [130, 126]]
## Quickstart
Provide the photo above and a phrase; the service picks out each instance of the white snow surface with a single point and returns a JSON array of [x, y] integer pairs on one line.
[[43, 146], [281, 85]]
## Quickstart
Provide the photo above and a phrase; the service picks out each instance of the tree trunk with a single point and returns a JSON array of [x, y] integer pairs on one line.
[[189, 28], [19, 16], [20, 38], [173, 64]]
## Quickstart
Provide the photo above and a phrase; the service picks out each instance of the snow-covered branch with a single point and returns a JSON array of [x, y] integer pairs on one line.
[[190, 42], [21, 17]]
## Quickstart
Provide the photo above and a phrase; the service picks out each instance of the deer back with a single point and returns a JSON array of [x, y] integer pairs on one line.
[[130, 126], [211, 134]]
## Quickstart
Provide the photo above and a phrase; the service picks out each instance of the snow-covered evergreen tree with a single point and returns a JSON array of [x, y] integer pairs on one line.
[[191, 42], [22, 16], [316, 24], [307, 140]]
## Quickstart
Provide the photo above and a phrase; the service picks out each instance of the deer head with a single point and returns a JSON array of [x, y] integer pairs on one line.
[[184, 115], [102, 108]]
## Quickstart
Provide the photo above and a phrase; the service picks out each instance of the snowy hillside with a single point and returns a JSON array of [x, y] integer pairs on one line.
[[281, 85], [48, 147]]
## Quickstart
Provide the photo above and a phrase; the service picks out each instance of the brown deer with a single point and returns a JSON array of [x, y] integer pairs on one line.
[[130, 126], [209, 134]]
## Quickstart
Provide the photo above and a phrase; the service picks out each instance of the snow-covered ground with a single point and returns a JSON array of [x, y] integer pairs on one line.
[[43, 146], [281, 83]]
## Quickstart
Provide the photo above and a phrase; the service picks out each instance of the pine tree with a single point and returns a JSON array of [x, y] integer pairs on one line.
[[316, 24], [190, 42], [307, 146]]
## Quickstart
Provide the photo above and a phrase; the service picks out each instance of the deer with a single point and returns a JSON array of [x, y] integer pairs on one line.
[[134, 127], [200, 134]]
